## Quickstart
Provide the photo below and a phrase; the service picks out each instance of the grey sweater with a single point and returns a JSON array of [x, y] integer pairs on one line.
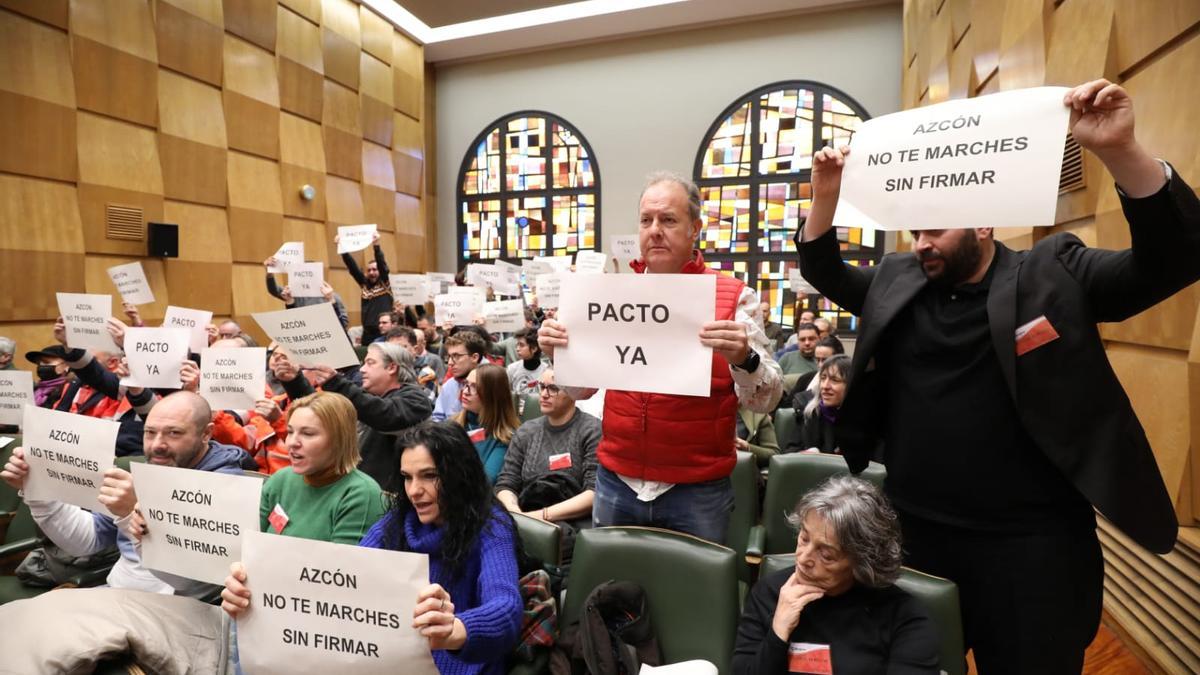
[[529, 452]]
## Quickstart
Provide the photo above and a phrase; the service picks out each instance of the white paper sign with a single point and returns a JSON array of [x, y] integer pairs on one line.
[[590, 262], [560, 263], [625, 247], [5, 440], [308, 606], [534, 268], [195, 321], [353, 238], [410, 289], [799, 284], [459, 309], [305, 279], [130, 280], [637, 332], [291, 253], [233, 378], [16, 392], [311, 334], [547, 287], [86, 318], [498, 278], [439, 283], [194, 519], [991, 161], [155, 356], [504, 316], [68, 455]]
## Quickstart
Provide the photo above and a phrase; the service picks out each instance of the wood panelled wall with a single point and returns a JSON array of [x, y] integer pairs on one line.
[[962, 48], [211, 115]]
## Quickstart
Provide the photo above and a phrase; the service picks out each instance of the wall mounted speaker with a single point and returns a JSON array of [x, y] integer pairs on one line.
[[163, 240]]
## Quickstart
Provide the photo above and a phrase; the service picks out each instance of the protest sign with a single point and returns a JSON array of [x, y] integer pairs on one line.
[[305, 279], [291, 253], [155, 356], [799, 284], [547, 288], [5, 440], [560, 263], [636, 332], [958, 164], [501, 281], [353, 238], [130, 280], [86, 319], [504, 316], [533, 268], [409, 289], [332, 607], [439, 282], [233, 379], [459, 309], [311, 334], [590, 262], [194, 519], [16, 391], [68, 455], [194, 320], [625, 247]]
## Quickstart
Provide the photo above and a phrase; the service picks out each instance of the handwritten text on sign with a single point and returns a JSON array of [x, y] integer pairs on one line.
[[312, 335], [86, 316], [958, 164], [67, 456], [332, 607], [233, 379], [636, 332], [16, 391], [130, 280], [194, 519]]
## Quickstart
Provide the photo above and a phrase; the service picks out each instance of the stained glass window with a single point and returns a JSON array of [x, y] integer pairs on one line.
[[548, 201], [753, 171]]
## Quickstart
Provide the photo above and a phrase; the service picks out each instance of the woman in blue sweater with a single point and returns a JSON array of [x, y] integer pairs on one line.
[[471, 611]]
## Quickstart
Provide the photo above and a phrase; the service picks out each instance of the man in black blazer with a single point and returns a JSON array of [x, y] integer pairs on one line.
[[981, 381]]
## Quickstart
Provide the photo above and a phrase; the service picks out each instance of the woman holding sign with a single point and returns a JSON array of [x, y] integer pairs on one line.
[[488, 416]]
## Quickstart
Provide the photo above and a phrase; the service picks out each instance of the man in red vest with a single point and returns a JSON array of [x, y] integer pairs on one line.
[[664, 459]]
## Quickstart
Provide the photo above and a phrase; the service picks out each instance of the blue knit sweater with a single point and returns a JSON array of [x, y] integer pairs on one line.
[[485, 594]]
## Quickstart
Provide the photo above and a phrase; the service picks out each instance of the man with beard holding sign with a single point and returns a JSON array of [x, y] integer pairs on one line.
[[982, 372], [665, 459]]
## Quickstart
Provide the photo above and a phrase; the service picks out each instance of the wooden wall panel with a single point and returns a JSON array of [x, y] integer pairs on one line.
[[117, 154], [96, 280], [987, 18], [252, 126], [939, 43], [250, 71], [115, 83], [312, 233], [377, 167], [190, 109], [35, 61], [408, 215], [408, 173], [188, 43], [341, 58], [250, 293], [254, 183], [408, 76], [1081, 45], [341, 16], [211, 12], [203, 231], [343, 153], [37, 138], [1143, 26], [43, 274], [408, 136], [345, 202], [53, 12], [309, 9], [1023, 44], [201, 285], [39, 215], [253, 20], [192, 171], [93, 202], [300, 143], [379, 207], [125, 25], [292, 178], [377, 121], [376, 79], [341, 108], [300, 40], [300, 90], [376, 34]]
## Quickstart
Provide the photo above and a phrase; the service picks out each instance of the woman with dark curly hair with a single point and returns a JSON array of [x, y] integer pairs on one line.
[[471, 611], [838, 610]]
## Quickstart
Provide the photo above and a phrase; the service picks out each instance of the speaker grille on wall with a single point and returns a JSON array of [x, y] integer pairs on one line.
[[164, 240], [124, 222]]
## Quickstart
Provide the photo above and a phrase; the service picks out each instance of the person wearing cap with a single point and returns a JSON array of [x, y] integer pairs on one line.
[[53, 374]]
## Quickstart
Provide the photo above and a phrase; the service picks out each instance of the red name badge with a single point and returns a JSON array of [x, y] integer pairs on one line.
[[561, 461], [477, 435], [278, 519], [809, 658], [1035, 334]]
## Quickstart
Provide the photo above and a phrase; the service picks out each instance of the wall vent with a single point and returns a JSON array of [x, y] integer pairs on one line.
[[124, 222], [1072, 177]]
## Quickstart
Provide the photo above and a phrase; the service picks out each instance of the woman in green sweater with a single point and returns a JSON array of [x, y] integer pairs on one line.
[[321, 495]]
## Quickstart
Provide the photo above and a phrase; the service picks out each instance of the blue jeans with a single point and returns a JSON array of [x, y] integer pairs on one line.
[[699, 509]]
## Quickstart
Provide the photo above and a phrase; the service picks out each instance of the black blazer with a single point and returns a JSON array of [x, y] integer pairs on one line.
[[1065, 391]]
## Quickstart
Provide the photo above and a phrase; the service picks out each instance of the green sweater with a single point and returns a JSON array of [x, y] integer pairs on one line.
[[340, 512]]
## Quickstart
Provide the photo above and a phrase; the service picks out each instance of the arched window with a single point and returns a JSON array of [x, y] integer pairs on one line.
[[753, 170], [529, 185]]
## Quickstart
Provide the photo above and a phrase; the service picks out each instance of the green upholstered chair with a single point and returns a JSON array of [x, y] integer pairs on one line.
[[541, 540], [8, 494], [745, 510], [785, 427], [690, 584], [940, 597], [790, 476], [532, 409], [20, 538]]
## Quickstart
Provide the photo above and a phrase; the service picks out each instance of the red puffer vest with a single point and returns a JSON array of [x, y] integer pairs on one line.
[[676, 439]]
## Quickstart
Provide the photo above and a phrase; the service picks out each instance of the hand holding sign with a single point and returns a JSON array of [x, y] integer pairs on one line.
[[1102, 121], [727, 338], [351, 238], [130, 280], [116, 492]]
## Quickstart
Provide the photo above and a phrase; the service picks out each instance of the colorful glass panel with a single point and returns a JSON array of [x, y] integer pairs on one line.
[[843, 321], [569, 162], [574, 223], [482, 236], [728, 152], [738, 268], [785, 131], [525, 154], [780, 208], [483, 176], [838, 122], [525, 222], [725, 212]]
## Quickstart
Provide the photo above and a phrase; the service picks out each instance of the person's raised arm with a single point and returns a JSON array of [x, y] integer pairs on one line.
[[1102, 122], [380, 261], [352, 265]]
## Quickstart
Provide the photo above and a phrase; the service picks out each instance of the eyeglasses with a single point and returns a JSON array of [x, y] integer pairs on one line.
[[454, 357], [551, 389], [469, 388]]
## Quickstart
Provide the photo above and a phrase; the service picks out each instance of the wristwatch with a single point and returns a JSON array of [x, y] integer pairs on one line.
[[751, 363]]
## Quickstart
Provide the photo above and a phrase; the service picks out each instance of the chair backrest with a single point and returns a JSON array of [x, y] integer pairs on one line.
[[745, 509], [22, 525], [789, 383], [785, 425], [8, 494], [938, 595], [789, 477], [690, 584], [124, 462], [532, 409], [540, 539]]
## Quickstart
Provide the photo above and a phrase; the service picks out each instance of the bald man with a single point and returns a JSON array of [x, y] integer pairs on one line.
[[178, 432]]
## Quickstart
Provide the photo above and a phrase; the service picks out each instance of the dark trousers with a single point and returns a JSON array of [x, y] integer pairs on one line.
[[1030, 602]]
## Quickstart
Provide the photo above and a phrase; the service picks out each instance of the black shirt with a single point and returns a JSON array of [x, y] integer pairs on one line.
[[955, 449], [868, 630]]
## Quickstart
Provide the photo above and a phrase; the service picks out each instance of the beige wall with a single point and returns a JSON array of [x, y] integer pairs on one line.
[[645, 103]]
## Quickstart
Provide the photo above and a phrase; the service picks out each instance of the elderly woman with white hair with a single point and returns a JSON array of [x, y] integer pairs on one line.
[[838, 610], [8, 347]]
